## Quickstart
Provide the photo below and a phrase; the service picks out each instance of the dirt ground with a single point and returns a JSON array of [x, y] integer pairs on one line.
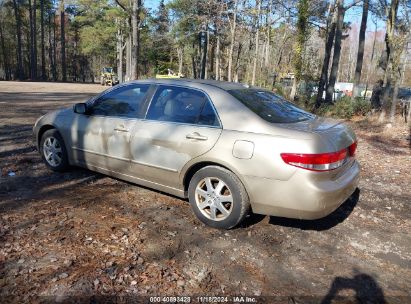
[[82, 234]]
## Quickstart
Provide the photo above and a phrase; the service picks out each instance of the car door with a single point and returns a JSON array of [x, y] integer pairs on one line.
[[104, 134], [180, 124]]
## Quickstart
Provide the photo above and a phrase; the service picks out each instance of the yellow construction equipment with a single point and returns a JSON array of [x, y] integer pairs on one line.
[[170, 75], [108, 77]]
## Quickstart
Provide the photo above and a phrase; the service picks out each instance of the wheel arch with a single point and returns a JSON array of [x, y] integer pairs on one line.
[[193, 168], [41, 131]]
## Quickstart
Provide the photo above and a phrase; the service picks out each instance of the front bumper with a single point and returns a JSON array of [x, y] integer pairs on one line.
[[302, 197]]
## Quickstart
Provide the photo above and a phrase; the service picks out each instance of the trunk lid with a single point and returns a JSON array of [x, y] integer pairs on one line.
[[336, 133]]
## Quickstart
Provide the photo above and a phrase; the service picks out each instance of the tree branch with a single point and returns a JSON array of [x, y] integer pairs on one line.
[[354, 3], [121, 5]]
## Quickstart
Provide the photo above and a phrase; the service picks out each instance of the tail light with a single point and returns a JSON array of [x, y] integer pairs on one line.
[[319, 162], [352, 149]]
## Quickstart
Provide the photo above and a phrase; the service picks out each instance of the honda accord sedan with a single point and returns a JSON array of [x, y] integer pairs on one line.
[[227, 147]]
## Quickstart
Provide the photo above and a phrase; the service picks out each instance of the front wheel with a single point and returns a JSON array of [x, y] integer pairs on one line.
[[218, 197], [53, 150]]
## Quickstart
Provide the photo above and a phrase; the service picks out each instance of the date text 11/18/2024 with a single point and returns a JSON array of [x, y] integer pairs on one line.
[[203, 299]]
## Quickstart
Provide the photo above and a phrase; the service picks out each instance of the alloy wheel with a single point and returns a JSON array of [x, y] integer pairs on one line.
[[213, 198], [52, 151]]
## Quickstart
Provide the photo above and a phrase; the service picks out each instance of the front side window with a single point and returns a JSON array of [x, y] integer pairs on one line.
[[123, 102], [270, 106], [183, 105]]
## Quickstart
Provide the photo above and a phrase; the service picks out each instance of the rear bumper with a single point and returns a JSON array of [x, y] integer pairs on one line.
[[302, 197]]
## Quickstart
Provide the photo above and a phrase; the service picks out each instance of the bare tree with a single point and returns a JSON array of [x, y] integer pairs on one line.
[[120, 50], [135, 49], [360, 53], [388, 59], [330, 34], [257, 25], [233, 25], [43, 52], [203, 37], [33, 39], [63, 41], [336, 55], [302, 36], [5, 54]]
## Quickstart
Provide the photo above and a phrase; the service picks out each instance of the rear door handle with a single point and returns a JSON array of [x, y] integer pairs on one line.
[[121, 128], [196, 136]]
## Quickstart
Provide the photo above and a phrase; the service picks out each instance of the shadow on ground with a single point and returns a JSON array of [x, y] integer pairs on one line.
[[328, 222], [365, 287]]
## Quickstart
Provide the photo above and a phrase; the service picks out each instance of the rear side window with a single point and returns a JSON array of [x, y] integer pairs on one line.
[[182, 105], [270, 106], [124, 102]]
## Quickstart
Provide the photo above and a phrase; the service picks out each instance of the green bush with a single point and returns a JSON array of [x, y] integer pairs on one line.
[[361, 106], [278, 89], [324, 110], [343, 108]]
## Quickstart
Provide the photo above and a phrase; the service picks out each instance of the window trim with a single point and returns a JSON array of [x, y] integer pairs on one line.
[[140, 115], [159, 85]]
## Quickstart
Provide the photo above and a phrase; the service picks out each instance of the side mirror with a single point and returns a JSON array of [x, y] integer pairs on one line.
[[80, 108]]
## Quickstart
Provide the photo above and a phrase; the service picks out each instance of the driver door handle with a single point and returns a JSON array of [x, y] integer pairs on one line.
[[196, 136], [121, 128]]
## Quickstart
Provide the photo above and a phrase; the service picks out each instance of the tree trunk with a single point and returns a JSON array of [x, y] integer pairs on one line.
[[54, 66], [27, 67], [394, 102], [302, 34], [267, 46], [389, 68], [204, 54], [50, 48], [237, 63], [74, 61], [231, 50], [331, 25], [336, 55], [35, 39], [217, 58], [135, 49], [194, 66], [360, 53], [4, 52], [180, 55], [43, 52], [257, 37], [32, 60], [371, 60], [128, 58], [294, 89], [138, 38], [207, 48], [63, 43], [119, 51]]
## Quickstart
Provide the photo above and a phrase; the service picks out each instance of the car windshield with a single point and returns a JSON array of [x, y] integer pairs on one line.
[[270, 106]]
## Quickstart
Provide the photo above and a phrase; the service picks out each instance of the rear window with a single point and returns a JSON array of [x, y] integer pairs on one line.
[[270, 106]]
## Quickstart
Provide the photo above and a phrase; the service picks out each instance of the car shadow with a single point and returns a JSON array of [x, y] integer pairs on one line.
[[325, 223]]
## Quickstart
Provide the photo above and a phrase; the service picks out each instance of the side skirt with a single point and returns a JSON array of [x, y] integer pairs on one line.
[[135, 180]]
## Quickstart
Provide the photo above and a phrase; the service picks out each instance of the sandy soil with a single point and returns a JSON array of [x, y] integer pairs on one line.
[[83, 234]]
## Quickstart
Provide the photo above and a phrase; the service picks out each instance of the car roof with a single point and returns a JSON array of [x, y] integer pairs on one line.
[[224, 85]]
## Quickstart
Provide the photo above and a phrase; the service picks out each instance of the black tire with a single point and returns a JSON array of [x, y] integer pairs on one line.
[[239, 206], [64, 163]]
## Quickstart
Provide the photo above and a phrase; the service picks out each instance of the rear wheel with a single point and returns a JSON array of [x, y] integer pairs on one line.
[[53, 151], [218, 197]]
